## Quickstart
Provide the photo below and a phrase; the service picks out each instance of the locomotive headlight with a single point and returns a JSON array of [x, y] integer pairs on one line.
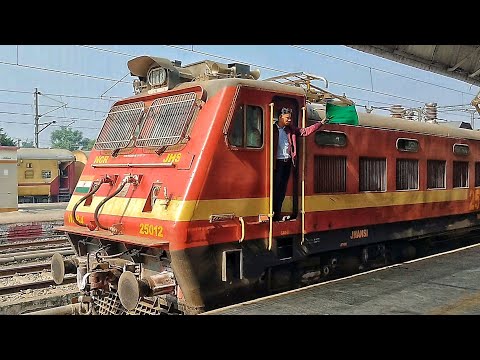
[[156, 76]]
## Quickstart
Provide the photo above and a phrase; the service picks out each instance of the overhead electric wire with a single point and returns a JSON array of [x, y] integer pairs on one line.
[[63, 72], [283, 71], [377, 69], [51, 116], [105, 98], [25, 123]]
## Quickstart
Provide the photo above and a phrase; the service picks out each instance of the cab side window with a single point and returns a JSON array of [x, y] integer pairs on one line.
[[235, 137], [246, 129]]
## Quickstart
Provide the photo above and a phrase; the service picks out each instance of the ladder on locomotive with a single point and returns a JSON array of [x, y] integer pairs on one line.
[[313, 93]]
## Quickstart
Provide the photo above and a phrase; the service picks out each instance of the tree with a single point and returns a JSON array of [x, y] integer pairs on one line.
[[5, 140], [66, 138], [27, 144], [87, 144]]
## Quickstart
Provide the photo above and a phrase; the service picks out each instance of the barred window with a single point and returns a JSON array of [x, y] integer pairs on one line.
[[407, 174], [330, 174], [373, 174], [460, 174], [436, 174], [46, 174]]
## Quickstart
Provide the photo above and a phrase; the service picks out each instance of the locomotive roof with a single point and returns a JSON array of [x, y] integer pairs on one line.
[[440, 129], [45, 154], [212, 86], [387, 122], [370, 120]]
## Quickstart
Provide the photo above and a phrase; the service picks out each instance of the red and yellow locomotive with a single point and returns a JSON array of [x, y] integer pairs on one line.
[[173, 211]]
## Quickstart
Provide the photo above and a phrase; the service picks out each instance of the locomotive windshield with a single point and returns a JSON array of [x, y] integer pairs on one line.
[[166, 120], [119, 127], [164, 124]]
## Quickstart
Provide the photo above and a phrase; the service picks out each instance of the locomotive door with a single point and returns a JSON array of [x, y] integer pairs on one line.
[[290, 204], [249, 161]]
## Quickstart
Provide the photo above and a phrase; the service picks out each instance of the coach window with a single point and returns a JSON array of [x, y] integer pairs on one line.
[[373, 174], [460, 174], [246, 130], [436, 174], [29, 174], [46, 174], [407, 174]]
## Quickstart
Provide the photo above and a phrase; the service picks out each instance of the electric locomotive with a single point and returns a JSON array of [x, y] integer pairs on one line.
[[173, 210]]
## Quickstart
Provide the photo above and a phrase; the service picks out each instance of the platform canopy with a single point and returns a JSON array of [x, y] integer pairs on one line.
[[461, 62]]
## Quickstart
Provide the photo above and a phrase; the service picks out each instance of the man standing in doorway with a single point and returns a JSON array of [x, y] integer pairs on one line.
[[285, 152]]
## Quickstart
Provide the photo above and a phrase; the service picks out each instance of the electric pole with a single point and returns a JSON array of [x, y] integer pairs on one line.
[[36, 118]]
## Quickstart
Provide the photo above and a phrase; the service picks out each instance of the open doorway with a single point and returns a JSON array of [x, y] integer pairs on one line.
[[285, 170]]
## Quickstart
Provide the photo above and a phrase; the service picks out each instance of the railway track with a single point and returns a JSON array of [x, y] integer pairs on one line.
[[35, 244], [33, 285], [25, 273], [25, 268]]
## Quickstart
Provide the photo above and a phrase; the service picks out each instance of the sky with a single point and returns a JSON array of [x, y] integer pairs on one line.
[[79, 83]]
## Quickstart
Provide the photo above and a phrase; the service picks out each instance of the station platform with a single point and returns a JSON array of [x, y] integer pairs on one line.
[[34, 212], [31, 220], [441, 284]]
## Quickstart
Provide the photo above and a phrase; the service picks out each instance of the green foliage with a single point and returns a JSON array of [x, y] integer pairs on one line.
[[27, 144], [5, 140], [87, 144], [66, 138]]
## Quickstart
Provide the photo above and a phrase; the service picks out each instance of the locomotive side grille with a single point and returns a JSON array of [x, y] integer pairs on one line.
[[330, 174], [373, 174], [166, 121], [477, 174], [435, 174], [119, 127], [407, 174], [460, 174]]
